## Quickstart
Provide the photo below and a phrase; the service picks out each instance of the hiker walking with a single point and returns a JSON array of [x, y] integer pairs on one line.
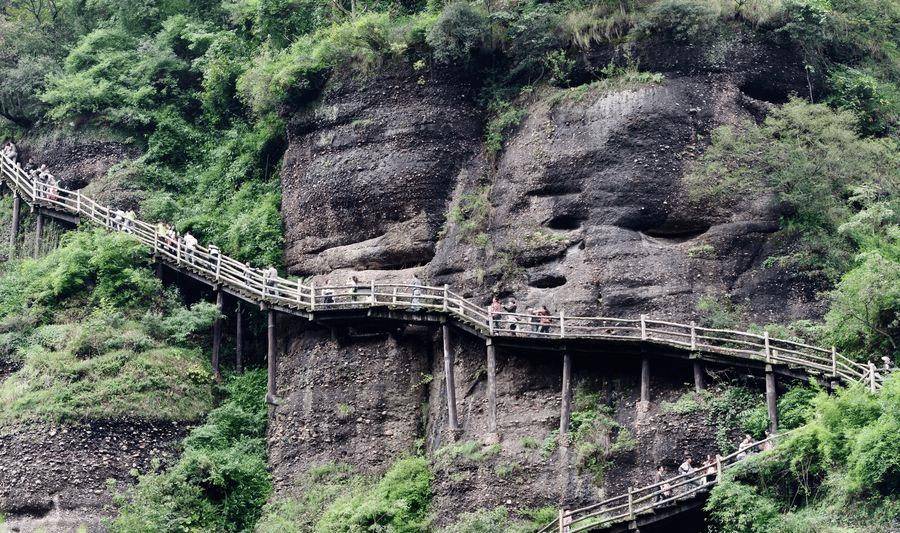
[[665, 489], [417, 293], [744, 447], [190, 244], [495, 309]]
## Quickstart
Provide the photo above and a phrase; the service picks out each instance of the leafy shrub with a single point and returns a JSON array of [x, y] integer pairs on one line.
[[680, 20], [220, 483], [876, 103], [398, 501], [460, 33], [738, 508], [815, 162], [499, 519]]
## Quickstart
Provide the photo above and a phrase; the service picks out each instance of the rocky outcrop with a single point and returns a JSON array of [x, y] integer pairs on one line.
[[369, 171], [57, 477], [76, 158]]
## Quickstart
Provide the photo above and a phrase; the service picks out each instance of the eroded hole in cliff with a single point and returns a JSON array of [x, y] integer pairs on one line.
[[766, 92], [548, 281], [677, 232], [565, 222]]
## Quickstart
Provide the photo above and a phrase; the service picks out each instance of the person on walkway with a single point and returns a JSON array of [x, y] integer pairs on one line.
[[417, 293], [686, 468], [118, 219], [665, 489], [190, 245], [710, 465], [744, 447], [496, 308], [544, 319], [353, 290], [769, 443], [532, 319], [214, 256], [128, 221], [327, 293], [269, 276]]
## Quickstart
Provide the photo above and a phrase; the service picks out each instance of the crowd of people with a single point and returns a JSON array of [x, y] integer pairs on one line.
[[504, 316], [705, 473]]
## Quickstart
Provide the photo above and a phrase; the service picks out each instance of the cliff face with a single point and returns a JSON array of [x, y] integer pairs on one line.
[[585, 209]]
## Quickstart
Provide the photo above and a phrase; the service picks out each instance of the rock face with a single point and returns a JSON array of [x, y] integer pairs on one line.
[[75, 158], [54, 477], [585, 209], [371, 171]]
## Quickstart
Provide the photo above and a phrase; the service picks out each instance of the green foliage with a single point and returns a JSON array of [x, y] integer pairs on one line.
[[398, 501], [719, 312], [840, 469], [471, 214], [597, 436], [468, 451], [864, 317], [220, 483], [505, 118], [460, 33], [876, 103], [816, 164], [737, 508], [680, 21], [499, 519], [78, 321]]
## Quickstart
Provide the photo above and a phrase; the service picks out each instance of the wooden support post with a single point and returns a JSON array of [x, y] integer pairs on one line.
[[645, 379], [693, 335], [833, 361], [698, 376], [492, 390], [562, 323], [38, 231], [239, 339], [217, 336], [565, 411], [272, 360], [16, 219], [643, 327], [771, 399], [449, 379], [768, 348], [718, 467], [872, 385]]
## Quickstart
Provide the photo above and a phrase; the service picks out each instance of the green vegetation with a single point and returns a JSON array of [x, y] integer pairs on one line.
[[468, 451], [843, 223], [596, 435], [471, 215], [98, 337], [331, 498], [220, 483], [499, 519], [839, 471]]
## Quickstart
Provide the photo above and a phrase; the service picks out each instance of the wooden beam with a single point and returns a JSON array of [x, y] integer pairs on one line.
[[565, 412], [239, 339], [272, 360], [16, 220], [38, 231], [449, 379], [645, 379], [493, 435], [217, 337], [771, 399], [699, 384]]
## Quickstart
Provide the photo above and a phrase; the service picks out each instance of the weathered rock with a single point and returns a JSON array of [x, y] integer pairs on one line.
[[368, 173], [54, 476]]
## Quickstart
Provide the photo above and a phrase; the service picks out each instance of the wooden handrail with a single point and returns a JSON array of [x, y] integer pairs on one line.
[[293, 294]]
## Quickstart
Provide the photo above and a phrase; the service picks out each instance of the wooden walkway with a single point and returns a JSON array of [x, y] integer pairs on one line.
[[440, 305]]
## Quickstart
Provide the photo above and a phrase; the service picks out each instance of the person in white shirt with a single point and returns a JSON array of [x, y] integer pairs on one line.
[[190, 244]]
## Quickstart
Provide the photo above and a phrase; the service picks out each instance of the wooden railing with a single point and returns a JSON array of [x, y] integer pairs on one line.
[[665, 493], [294, 294]]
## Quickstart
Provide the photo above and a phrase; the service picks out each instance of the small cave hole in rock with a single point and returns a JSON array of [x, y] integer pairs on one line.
[[564, 222], [677, 232], [765, 91], [548, 281]]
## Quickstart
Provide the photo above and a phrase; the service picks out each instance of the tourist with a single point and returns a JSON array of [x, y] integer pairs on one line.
[[118, 219], [128, 221], [327, 293], [769, 442], [665, 489], [353, 290], [214, 257], [495, 309], [532, 319], [686, 468], [190, 244], [545, 319], [744, 447], [417, 292], [710, 465], [269, 276]]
